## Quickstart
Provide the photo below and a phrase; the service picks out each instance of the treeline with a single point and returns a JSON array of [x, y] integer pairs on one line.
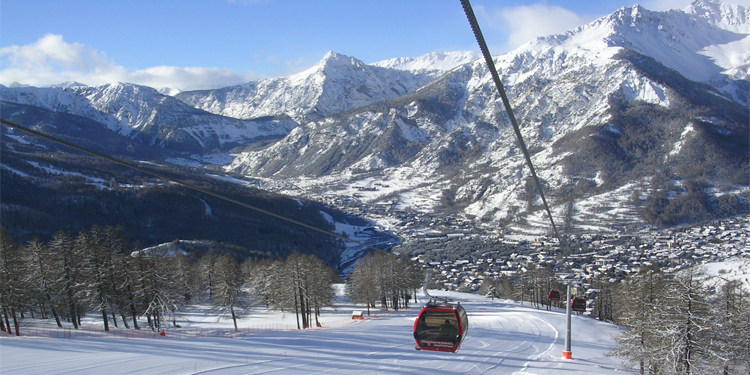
[[683, 323], [675, 323], [532, 286], [73, 193], [385, 278], [98, 270]]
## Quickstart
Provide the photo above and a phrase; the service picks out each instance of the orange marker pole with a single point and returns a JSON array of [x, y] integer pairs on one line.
[[567, 353]]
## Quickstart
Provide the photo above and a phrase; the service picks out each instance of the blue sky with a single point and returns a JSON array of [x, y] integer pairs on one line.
[[192, 44]]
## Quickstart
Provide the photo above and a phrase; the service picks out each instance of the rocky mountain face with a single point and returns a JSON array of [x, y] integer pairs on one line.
[[637, 118], [336, 84], [617, 114], [144, 115]]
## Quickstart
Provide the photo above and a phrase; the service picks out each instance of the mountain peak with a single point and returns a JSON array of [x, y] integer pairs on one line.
[[335, 59], [727, 16], [439, 61]]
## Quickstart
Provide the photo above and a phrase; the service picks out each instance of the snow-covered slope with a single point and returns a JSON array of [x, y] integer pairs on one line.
[[633, 109], [503, 338], [449, 144], [335, 84], [142, 112], [435, 62]]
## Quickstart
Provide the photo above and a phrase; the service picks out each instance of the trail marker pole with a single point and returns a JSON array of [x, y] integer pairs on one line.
[[567, 353]]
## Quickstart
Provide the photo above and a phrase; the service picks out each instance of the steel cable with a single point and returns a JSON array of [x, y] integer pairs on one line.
[[496, 77]]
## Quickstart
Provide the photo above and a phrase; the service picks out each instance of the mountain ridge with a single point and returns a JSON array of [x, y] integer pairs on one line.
[[637, 118]]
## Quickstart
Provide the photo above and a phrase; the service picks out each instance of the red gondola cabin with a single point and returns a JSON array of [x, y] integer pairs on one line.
[[553, 295], [578, 304], [441, 327]]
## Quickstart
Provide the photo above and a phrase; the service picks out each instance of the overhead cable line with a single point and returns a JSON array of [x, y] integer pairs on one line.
[[185, 184], [496, 77]]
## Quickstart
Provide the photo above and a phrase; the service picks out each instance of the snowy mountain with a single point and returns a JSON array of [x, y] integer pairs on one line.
[[639, 117], [140, 112], [336, 84], [581, 99], [435, 63]]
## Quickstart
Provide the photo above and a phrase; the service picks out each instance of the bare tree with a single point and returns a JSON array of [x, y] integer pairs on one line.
[[11, 284], [641, 300], [68, 263], [360, 285], [228, 294], [385, 277], [38, 261], [728, 346]]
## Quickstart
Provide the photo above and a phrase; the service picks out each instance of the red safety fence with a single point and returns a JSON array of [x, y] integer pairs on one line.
[[167, 332]]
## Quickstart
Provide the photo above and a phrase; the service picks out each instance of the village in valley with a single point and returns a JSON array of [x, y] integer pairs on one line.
[[590, 257]]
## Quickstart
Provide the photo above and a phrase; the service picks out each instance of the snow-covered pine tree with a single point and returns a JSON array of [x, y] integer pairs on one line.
[[11, 287], [641, 303], [204, 275], [39, 274], [228, 294], [69, 279], [360, 285], [728, 346], [261, 280], [98, 285], [687, 325]]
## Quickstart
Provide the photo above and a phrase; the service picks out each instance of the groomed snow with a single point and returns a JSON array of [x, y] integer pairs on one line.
[[504, 338]]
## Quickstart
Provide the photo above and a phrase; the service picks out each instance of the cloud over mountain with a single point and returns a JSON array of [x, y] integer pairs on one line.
[[52, 60]]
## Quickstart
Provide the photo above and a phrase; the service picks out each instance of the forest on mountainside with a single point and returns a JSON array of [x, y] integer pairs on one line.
[[99, 271]]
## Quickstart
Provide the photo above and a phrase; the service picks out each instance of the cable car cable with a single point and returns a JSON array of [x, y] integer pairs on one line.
[[185, 184], [493, 71]]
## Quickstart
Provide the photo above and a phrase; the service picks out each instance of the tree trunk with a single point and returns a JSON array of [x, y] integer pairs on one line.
[[72, 309], [57, 317], [135, 317], [234, 318], [124, 320], [15, 322], [105, 320], [303, 310], [7, 321]]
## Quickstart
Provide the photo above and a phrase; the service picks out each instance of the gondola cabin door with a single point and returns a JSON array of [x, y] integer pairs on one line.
[[578, 304], [441, 328], [553, 295]]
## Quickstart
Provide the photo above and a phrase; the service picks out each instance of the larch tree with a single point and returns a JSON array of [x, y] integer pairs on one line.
[[205, 275], [40, 276], [97, 272], [360, 285], [641, 300], [68, 264], [11, 284], [729, 342], [228, 294]]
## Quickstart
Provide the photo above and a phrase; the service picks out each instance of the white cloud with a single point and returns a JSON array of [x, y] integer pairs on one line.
[[526, 23], [529, 22], [51, 60]]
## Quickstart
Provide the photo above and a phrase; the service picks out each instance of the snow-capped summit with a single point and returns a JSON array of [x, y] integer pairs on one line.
[[335, 84], [603, 108], [438, 62], [730, 17], [708, 42], [570, 93]]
